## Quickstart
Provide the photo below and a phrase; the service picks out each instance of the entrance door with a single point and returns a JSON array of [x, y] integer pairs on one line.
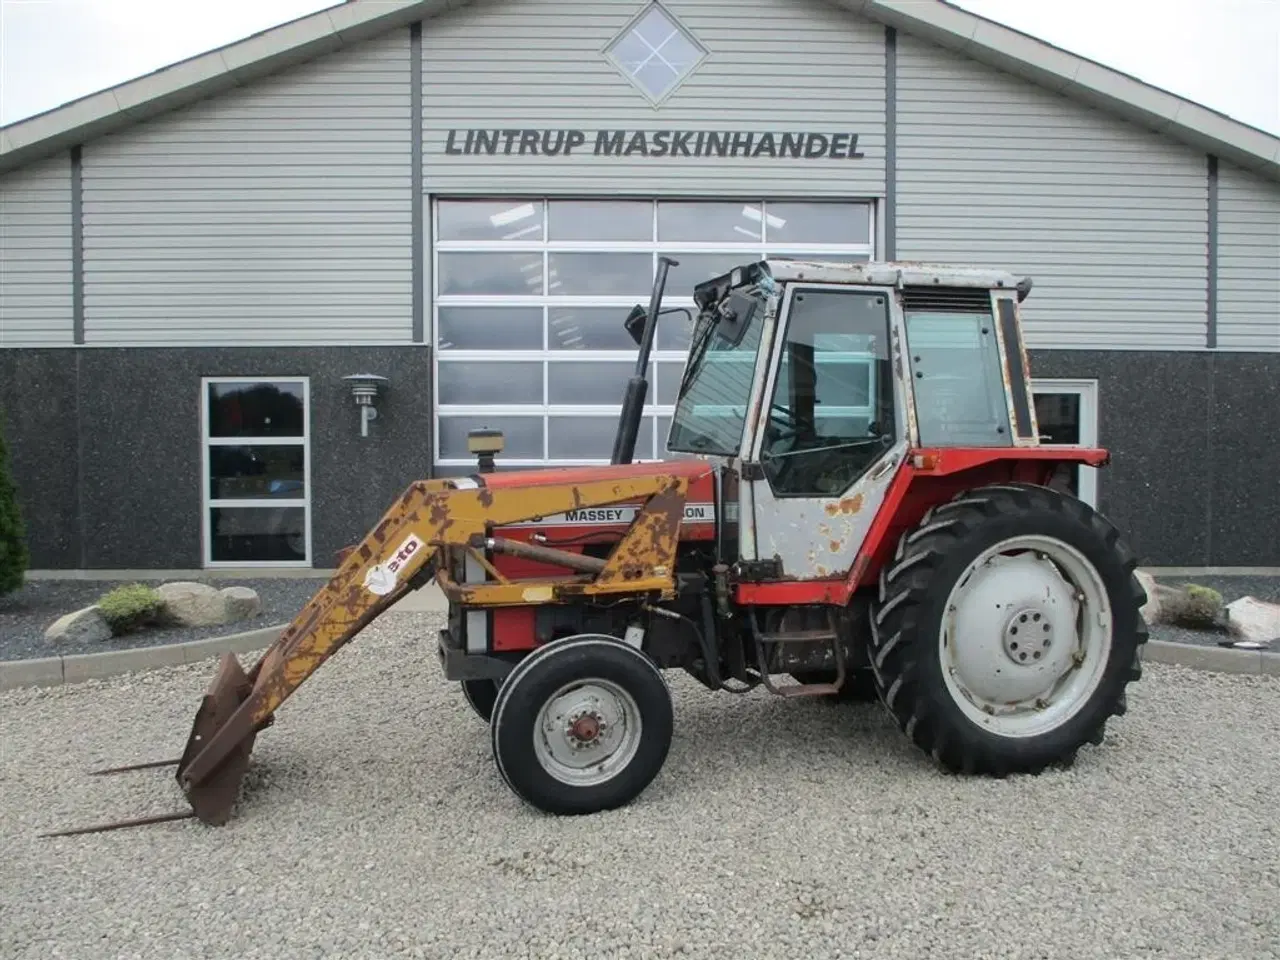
[[832, 433], [1067, 411]]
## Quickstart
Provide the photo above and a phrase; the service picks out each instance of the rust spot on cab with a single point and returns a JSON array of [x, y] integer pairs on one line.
[[846, 506], [835, 546]]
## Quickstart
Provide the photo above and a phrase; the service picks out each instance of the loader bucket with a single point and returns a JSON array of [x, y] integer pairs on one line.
[[213, 798]]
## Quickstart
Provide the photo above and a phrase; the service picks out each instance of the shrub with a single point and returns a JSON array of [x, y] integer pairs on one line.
[[1197, 607], [13, 536], [130, 608]]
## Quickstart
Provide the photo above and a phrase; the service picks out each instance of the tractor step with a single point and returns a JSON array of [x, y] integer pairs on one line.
[[800, 636]]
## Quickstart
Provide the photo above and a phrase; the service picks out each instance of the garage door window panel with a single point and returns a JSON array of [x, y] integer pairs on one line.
[[489, 328], [490, 382], [522, 436]]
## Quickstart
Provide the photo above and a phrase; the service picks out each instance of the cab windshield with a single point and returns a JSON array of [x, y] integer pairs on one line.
[[711, 407]]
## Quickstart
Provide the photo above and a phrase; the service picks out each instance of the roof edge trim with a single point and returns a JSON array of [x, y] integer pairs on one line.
[[208, 73], [1079, 78]]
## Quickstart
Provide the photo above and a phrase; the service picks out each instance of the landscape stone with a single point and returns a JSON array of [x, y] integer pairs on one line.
[[86, 625], [1256, 620], [1151, 609], [242, 603], [193, 604]]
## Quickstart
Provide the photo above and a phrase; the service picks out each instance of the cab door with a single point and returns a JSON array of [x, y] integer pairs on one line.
[[830, 431]]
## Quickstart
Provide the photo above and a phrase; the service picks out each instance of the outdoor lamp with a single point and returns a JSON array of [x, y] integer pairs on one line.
[[485, 444], [364, 387]]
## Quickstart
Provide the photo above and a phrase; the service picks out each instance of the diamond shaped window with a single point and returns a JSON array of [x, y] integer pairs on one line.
[[655, 52]]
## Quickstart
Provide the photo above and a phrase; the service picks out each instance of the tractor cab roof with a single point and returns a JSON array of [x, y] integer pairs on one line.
[[886, 273]]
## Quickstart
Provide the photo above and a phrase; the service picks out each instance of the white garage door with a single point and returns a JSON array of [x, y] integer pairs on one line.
[[529, 298]]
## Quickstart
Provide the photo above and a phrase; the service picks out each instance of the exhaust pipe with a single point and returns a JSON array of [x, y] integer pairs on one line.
[[624, 444]]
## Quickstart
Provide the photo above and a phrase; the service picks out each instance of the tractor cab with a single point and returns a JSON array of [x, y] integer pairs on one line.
[[808, 383]]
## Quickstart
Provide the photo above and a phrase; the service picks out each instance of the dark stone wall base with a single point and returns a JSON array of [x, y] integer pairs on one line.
[[1195, 468], [105, 448]]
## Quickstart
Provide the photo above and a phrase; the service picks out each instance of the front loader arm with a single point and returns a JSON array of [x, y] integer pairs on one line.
[[400, 554]]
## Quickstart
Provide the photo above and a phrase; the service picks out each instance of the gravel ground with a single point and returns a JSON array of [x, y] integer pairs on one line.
[[375, 825], [26, 614]]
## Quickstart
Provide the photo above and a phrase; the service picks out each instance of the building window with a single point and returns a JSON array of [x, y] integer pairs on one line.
[[1067, 413], [257, 471], [530, 296], [655, 52]]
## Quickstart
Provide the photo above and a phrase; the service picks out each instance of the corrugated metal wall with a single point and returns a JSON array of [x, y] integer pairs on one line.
[[1248, 261], [1110, 221], [774, 65], [275, 214], [35, 255]]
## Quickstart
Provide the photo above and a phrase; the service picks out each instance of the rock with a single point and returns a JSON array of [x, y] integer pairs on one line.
[[242, 603], [193, 604], [1151, 609], [85, 625], [1256, 620]]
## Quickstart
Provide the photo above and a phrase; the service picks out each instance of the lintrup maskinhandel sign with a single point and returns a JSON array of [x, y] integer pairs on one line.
[[653, 143]]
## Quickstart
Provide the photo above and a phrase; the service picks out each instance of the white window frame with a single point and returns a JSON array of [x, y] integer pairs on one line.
[[1087, 391], [653, 412], [208, 503]]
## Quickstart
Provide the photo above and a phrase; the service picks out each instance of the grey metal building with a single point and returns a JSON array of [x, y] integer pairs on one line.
[[465, 198]]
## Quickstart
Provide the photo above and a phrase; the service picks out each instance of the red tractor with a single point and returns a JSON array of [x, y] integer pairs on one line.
[[857, 505]]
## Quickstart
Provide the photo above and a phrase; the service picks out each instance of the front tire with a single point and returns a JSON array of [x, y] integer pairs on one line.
[[582, 724], [1007, 630]]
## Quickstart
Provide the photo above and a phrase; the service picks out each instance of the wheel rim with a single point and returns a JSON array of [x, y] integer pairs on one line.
[[1025, 636], [587, 732]]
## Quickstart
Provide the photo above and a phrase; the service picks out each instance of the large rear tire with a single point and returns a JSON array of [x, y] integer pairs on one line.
[[1007, 630], [582, 724]]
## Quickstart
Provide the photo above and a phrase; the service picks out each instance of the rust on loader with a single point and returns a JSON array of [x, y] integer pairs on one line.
[[416, 540]]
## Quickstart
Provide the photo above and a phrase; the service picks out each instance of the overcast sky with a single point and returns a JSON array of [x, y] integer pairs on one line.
[[1222, 53]]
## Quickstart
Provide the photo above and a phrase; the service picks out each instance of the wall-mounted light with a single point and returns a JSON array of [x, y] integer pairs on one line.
[[364, 387]]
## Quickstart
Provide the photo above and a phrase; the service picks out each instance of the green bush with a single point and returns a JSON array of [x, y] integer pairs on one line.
[[1197, 607], [130, 608], [13, 535]]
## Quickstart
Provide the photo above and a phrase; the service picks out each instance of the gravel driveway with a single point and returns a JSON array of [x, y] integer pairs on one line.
[[376, 826]]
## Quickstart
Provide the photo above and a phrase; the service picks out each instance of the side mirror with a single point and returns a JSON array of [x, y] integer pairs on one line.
[[635, 323], [735, 313]]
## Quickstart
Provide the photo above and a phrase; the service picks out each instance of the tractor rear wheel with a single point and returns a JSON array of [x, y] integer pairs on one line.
[[480, 695], [1007, 630], [582, 724]]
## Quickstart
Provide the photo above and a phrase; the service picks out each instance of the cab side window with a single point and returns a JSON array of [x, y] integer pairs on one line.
[[831, 415]]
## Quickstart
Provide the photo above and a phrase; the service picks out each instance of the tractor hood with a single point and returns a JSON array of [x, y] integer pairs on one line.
[[590, 511]]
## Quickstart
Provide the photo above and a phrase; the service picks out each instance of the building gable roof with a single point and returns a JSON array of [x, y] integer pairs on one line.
[[354, 21]]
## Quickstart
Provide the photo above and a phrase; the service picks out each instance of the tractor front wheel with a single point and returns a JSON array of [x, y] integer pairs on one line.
[[582, 724], [1007, 630]]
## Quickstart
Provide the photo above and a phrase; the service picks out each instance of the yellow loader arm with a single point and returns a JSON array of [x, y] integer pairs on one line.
[[417, 539]]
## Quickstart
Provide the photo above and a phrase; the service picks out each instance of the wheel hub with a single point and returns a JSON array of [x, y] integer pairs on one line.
[[1025, 635], [1028, 635], [586, 730]]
